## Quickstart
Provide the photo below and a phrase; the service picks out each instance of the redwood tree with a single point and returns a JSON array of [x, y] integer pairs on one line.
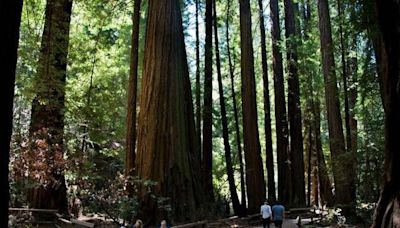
[[341, 161], [132, 94], [280, 108], [225, 131], [166, 132], [267, 109], [47, 117], [207, 107], [235, 112], [254, 170], [294, 109], [10, 12], [387, 212]]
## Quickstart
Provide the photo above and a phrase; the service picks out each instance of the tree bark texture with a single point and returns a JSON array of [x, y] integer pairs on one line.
[[225, 131], [284, 174], [294, 110], [130, 147], [48, 106], [341, 160], [167, 144], [207, 107], [267, 109], [10, 12], [254, 170], [387, 212]]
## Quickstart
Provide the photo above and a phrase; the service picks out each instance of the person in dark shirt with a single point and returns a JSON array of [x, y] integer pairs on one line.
[[278, 214]]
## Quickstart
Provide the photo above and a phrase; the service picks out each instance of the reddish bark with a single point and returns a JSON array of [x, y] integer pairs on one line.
[[294, 110], [284, 180], [48, 105], [167, 144], [130, 147], [254, 170], [341, 160]]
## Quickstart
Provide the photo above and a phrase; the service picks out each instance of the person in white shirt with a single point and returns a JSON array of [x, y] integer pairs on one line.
[[266, 213]]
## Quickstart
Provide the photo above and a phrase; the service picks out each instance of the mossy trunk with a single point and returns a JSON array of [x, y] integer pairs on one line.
[[47, 117]]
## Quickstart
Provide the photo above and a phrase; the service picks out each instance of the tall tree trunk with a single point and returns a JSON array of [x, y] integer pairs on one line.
[[254, 170], [132, 96], [167, 146], [207, 107], [236, 115], [198, 96], [310, 149], [280, 109], [267, 109], [294, 110], [325, 187], [341, 163], [387, 212], [47, 118], [343, 51], [309, 118], [228, 156], [10, 12], [347, 110]]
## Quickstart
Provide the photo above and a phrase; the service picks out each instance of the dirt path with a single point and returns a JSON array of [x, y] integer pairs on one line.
[[287, 223]]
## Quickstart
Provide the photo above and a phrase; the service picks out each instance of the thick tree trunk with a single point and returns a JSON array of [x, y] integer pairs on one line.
[[267, 109], [47, 118], [130, 154], [228, 156], [10, 12], [167, 144], [284, 180], [236, 116], [294, 110], [207, 107], [341, 162], [387, 212], [254, 170]]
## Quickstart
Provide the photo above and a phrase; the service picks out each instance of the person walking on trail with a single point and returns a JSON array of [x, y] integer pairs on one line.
[[278, 214], [266, 213]]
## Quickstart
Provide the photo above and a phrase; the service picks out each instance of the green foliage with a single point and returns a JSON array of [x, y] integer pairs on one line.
[[96, 93]]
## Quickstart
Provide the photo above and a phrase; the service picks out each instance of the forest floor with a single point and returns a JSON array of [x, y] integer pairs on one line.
[[287, 223]]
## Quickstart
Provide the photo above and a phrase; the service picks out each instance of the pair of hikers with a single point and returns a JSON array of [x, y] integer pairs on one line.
[[276, 213], [139, 224]]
